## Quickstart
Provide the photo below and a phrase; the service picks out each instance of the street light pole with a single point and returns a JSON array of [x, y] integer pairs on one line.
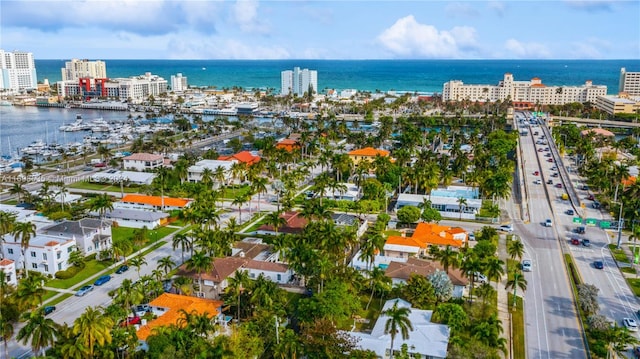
[[620, 223]]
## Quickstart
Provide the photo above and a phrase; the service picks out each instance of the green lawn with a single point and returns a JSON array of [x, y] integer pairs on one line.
[[371, 314], [392, 232], [231, 193], [618, 254], [629, 270], [91, 267], [634, 283], [59, 299], [517, 322]]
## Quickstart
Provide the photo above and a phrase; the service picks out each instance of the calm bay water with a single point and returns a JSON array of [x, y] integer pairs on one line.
[[19, 126]]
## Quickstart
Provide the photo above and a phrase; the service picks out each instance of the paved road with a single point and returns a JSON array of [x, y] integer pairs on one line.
[[552, 328]]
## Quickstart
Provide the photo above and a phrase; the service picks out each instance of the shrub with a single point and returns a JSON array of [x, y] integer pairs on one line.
[[68, 273]]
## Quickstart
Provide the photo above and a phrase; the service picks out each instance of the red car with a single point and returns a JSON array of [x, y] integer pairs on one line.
[[550, 160], [591, 197], [575, 241], [536, 173], [101, 164], [130, 321], [558, 185]]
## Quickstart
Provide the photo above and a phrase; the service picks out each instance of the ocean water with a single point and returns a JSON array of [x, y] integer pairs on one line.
[[366, 75], [19, 126]]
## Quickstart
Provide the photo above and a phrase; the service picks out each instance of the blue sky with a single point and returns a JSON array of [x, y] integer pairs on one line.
[[249, 29]]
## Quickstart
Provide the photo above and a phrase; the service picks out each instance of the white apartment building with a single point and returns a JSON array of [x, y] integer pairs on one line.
[[136, 88], [89, 235], [75, 69], [178, 83], [17, 71], [298, 81], [45, 254], [629, 82], [194, 173], [533, 91]]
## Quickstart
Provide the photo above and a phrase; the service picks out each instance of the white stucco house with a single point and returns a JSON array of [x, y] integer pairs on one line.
[[427, 339], [135, 218], [45, 254], [8, 266], [194, 173], [90, 235], [142, 161]]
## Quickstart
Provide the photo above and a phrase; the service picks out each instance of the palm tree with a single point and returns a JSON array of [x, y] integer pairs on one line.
[[237, 284], [127, 294], [6, 332], [461, 203], [138, 262], [93, 327], [275, 219], [30, 291], [517, 281], [166, 264], [7, 222], [515, 249], [494, 268], [40, 331], [183, 241], [101, 204], [17, 189], [398, 322], [448, 258], [240, 200], [200, 262], [24, 231], [259, 186]]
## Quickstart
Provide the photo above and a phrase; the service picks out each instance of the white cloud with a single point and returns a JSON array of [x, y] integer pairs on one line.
[[592, 48], [246, 15], [526, 50], [408, 39], [223, 48], [498, 7]]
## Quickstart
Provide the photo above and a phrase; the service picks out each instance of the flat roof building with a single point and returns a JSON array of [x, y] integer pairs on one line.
[[629, 82], [17, 71]]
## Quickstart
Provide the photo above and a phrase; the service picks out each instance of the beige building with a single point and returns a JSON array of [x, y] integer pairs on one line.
[[75, 69], [533, 91], [629, 82], [618, 104]]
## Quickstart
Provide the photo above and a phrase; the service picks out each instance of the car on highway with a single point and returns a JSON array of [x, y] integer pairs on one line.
[[122, 269], [540, 150], [549, 181], [586, 242], [630, 324], [102, 280], [506, 228], [537, 181], [554, 168], [554, 174], [575, 241], [84, 290], [550, 160], [547, 155], [580, 230], [48, 309], [536, 173], [570, 212], [526, 265], [548, 223], [591, 197], [558, 185], [598, 264]]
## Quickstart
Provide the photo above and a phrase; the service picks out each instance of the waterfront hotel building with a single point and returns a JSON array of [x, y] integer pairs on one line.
[[135, 88], [533, 91], [76, 69], [298, 81], [17, 71], [629, 82]]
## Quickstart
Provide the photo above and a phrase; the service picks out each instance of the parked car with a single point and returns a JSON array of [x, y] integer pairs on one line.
[[479, 277], [526, 265], [100, 165], [122, 269], [140, 310], [575, 241], [630, 324], [598, 264], [472, 236], [506, 228], [130, 321], [102, 280], [586, 242], [570, 212], [548, 223], [48, 309], [84, 290]]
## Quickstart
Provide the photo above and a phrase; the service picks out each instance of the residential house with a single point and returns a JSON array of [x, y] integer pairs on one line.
[[367, 154], [142, 161], [347, 192], [151, 203], [288, 145], [294, 223], [245, 157], [8, 266], [45, 254], [426, 340], [446, 201], [215, 281], [400, 272], [169, 308], [194, 173], [126, 177], [134, 218], [90, 235]]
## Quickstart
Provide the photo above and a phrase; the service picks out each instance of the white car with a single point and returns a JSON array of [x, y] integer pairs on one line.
[[537, 181], [479, 277], [548, 223], [630, 324], [526, 265], [506, 228]]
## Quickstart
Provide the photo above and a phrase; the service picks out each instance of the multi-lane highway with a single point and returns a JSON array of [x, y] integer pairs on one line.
[[552, 326]]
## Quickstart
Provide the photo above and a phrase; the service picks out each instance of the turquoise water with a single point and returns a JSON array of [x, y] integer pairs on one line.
[[368, 75]]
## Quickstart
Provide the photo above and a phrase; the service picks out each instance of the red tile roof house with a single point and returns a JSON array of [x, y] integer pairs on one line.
[[295, 223], [143, 161], [151, 203], [242, 157], [400, 272], [425, 235]]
